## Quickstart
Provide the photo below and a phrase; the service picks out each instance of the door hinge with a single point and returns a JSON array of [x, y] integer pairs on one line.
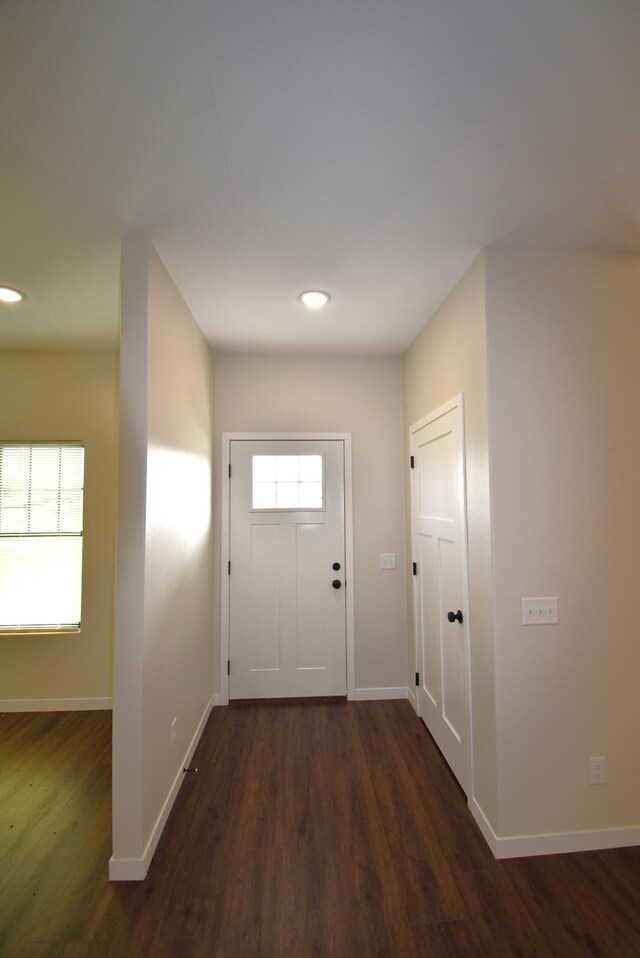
[[417, 679], [412, 462], [229, 567], [229, 470], [415, 568], [228, 666]]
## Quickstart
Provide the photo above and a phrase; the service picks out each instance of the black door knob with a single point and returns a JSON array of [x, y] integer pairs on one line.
[[454, 616], [335, 566], [336, 583]]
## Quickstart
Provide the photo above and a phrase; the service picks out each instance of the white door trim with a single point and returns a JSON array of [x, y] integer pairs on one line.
[[227, 438], [456, 403]]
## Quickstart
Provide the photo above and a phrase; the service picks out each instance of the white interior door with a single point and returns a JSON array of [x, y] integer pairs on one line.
[[439, 543], [287, 627]]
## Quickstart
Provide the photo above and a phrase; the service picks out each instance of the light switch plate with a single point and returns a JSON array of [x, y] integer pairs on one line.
[[540, 611], [387, 560]]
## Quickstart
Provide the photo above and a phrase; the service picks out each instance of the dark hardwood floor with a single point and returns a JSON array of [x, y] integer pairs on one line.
[[315, 830]]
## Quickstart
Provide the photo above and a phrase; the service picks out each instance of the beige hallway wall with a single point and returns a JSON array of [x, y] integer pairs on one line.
[[447, 358], [564, 347], [164, 647], [363, 396], [70, 396]]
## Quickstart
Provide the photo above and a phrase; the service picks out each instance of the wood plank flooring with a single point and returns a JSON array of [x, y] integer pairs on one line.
[[315, 830]]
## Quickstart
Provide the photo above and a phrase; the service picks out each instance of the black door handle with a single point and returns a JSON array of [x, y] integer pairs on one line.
[[454, 616], [336, 583], [335, 566]]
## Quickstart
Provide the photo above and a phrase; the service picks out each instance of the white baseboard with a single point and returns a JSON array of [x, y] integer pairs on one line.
[[483, 824], [128, 869], [56, 705], [411, 695], [217, 699], [552, 843], [371, 695], [135, 869]]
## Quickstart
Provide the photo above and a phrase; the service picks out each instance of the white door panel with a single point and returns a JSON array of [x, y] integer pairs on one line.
[[286, 620], [439, 525], [435, 459]]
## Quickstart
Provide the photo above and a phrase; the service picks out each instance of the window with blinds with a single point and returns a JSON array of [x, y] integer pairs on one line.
[[41, 497]]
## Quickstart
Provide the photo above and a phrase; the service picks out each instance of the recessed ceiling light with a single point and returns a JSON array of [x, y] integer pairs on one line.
[[8, 295], [314, 298]]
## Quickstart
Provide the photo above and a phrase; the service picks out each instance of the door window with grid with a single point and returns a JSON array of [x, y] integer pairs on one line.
[[287, 482]]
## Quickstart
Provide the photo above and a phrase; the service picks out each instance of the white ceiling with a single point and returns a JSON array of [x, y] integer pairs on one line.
[[267, 146]]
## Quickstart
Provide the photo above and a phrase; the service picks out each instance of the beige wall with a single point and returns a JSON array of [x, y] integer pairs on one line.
[[362, 396], [447, 358], [164, 648], [564, 347], [68, 396], [549, 344]]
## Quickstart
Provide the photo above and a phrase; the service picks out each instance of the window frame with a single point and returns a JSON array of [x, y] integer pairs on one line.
[[296, 509], [52, 628]]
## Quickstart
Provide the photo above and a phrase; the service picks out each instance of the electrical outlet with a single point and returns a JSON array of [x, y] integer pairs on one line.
[[172, 734], [387, 560], [597, 770]]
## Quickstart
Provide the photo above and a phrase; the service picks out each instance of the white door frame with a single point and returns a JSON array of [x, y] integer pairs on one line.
[[225, 549], [456, 403]]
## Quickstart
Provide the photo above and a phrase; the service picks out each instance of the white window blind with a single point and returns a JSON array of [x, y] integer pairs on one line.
[[41, 498]]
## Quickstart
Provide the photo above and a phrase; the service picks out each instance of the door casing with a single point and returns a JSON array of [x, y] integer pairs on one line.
[[456, 403], [225, 485]]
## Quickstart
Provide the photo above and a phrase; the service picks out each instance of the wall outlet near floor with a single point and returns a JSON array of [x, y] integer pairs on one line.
[[597, 770], [387, 560], [172, 734]]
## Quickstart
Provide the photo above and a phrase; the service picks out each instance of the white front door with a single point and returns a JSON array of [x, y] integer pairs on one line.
[[287, 627], [439, 544]]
